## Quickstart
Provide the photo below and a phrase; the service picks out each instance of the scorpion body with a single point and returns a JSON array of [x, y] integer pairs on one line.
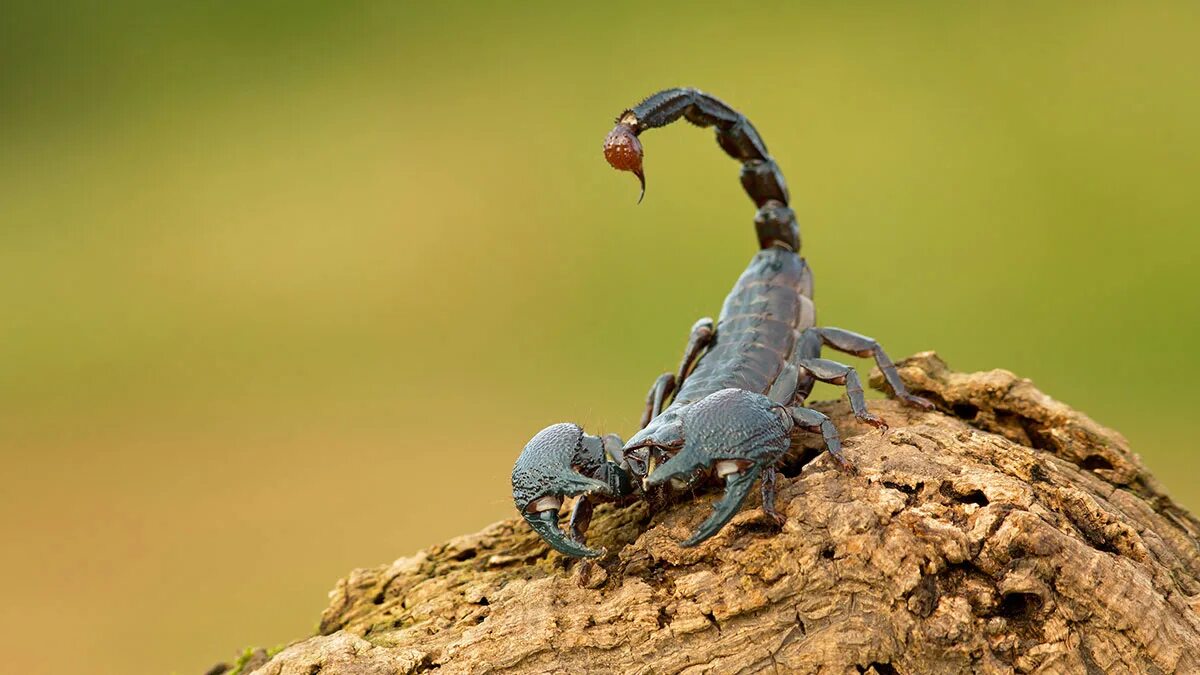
[[736, 394]]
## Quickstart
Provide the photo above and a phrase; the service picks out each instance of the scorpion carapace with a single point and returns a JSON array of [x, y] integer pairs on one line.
[[735, 400]]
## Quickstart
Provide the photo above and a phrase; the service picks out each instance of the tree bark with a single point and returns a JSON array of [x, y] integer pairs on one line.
[[1003, 533]]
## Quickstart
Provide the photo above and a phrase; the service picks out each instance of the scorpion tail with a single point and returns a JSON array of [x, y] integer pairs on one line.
[[761, 177]]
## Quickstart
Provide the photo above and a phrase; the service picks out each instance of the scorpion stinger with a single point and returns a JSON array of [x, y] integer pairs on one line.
[[761, 177], [623, 150]]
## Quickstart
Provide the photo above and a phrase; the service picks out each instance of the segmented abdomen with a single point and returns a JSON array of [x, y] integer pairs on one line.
[[757, 328]]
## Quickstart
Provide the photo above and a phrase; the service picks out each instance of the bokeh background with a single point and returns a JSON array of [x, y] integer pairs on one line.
[[285, 286]]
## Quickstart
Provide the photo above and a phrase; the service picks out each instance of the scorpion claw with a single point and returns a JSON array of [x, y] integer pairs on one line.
[[683, 463], [545, 523], [735, 433], [548, 470], [737, 486], [739, 475]]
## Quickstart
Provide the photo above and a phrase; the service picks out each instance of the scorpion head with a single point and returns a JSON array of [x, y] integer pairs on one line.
[[659, 440], [734, 433], [560, 461]]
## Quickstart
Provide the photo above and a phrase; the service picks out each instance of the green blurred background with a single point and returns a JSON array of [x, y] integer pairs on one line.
[[287, 285]]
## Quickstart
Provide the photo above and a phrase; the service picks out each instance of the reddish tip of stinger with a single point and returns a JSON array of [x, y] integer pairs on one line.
[[623, 151]]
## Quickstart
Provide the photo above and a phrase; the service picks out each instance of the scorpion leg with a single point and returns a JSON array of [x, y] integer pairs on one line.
[[795, 381], [656, 398], [817, 422], [837, 373], [865, 347], [703, 333], [700, 337], [768, 496]]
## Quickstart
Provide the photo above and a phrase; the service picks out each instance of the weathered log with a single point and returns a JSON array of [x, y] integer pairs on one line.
[[1003, 533]]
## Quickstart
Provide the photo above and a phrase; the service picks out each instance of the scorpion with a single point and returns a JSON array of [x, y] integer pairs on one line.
[[737, 396]]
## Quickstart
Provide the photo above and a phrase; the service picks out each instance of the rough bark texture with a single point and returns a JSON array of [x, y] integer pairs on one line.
[[1005, 533]]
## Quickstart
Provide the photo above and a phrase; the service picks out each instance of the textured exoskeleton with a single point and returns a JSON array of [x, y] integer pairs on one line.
[[735, 401]]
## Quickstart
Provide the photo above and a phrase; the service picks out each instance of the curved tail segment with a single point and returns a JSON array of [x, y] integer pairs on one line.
[[775, 220]]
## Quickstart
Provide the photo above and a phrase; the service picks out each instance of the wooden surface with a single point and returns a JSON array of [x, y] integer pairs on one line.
[[1004, 533]]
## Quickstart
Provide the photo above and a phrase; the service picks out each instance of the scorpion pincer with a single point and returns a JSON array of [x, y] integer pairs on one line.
[[736, 398]]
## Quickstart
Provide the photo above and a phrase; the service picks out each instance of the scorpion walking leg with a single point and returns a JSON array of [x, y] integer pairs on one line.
[[657, 397], [700, 337], [865, 347], [702, 334], [838, 373], [795, 381], [815, 421], [768, 496]]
